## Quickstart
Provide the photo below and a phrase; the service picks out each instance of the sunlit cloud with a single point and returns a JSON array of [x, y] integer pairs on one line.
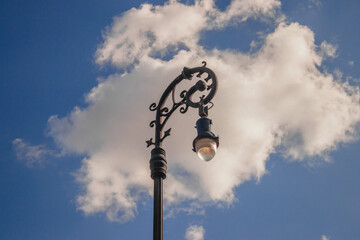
[[314, 3], [328, 50], [31, 155], [195, 232], [272, 100], [323, 237]]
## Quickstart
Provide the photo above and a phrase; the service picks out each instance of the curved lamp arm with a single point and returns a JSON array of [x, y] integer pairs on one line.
[[207, 82]]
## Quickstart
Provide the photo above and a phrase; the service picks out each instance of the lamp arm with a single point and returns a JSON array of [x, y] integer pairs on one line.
[[163, 113]]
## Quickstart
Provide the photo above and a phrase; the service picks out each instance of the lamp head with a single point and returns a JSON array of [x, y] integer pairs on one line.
[[206, 143]]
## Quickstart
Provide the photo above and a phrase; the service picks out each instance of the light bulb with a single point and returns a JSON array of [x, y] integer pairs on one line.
[[206, 148]]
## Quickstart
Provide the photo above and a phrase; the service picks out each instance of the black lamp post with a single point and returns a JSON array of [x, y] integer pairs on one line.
[[205, 144]]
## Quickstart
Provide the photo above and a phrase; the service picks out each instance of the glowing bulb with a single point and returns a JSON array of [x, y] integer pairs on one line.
[[205, 148]]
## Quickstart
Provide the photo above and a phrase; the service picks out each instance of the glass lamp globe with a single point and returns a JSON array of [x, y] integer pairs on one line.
[[206, 148]]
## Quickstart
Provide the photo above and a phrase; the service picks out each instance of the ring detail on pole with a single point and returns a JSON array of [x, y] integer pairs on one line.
[[158, 163]]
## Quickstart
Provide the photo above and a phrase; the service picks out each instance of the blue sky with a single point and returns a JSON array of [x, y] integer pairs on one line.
[[75, 97]]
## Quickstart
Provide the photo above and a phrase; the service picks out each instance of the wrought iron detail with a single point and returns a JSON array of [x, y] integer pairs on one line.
[[163, 113], [153, 107], [166, 133], [150, 142]]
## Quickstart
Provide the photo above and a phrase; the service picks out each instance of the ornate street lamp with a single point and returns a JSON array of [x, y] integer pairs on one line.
[[205, 144]]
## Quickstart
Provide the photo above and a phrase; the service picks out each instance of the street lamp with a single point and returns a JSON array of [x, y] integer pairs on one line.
[[205, 144]]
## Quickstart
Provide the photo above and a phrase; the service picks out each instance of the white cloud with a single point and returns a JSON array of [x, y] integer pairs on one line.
[[328, 50], [151, 30], [32, 155], [241, 10], [323, 237], [274, 99], [195, 232], [314, 3]]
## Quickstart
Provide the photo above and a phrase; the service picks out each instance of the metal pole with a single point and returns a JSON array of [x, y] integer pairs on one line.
[[158, 208], [158, 166]]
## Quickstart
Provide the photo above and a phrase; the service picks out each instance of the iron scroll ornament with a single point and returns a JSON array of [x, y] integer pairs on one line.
[[208, 82]]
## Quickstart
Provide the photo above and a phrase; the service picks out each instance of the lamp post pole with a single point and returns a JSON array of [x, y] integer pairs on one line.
[[205, 144]]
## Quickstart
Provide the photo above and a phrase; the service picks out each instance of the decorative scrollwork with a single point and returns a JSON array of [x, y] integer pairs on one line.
[[153, 107], [207, 78], [163, 113], [182, 97], [184, 109], [152, 123], [199, 74], [202, 85], [183, 94]]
